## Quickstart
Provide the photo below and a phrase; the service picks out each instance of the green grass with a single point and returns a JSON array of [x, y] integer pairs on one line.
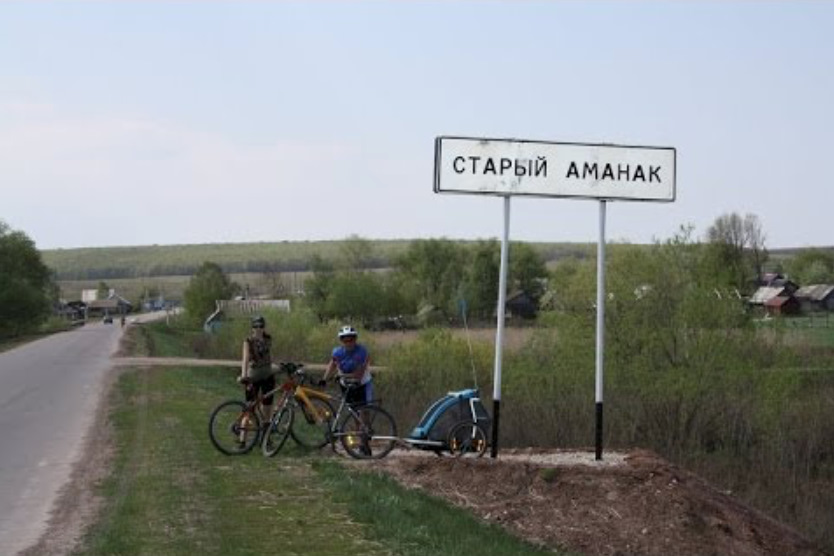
[[162, 340], [108, 263], [412, 523], [170, 492]]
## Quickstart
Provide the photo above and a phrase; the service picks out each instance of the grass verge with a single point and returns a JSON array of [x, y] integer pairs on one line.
[[412, 523], [170, 492]]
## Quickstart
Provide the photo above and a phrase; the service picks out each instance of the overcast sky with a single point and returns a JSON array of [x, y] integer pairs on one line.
[[166, 123]]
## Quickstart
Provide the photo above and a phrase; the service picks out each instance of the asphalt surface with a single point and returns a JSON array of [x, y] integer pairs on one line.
[[49, 391]]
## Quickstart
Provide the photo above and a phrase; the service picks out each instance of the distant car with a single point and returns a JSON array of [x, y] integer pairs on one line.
[[107, 319]]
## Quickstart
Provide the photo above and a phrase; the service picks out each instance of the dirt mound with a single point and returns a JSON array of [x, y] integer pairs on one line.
[[631, 503]]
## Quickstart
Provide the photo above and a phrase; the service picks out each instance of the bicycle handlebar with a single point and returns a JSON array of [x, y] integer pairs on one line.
[[289, 367]]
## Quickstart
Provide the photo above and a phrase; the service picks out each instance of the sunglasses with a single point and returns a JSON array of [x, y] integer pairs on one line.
[[349, 339], [257, 326]]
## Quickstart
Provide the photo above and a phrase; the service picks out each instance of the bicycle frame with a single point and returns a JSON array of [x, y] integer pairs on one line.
[[303, 395]]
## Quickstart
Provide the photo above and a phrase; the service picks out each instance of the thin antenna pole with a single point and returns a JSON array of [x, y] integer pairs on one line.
[[469, 343]]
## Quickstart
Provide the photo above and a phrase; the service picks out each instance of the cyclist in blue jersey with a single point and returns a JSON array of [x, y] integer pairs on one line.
[[351, 361]]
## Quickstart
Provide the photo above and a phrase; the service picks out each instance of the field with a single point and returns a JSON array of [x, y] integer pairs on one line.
[[107, 263]]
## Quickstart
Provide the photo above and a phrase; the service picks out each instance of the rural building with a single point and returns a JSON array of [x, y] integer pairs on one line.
[[766, 293], [816, 297], [115, 305], [521, 305], [777, 280], [231, 308], [782, 305], [157, 303], [789, 286], [71, 310]]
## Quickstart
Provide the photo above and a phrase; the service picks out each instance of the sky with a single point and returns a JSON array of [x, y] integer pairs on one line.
[[139, 123]]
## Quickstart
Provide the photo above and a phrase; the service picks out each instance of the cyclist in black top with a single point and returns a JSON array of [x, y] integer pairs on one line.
[[256, 365]]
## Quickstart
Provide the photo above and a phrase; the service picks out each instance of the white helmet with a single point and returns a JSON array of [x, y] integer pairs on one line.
[[348, 331]]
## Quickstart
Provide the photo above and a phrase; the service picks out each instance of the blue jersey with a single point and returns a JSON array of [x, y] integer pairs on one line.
[[351, 361]]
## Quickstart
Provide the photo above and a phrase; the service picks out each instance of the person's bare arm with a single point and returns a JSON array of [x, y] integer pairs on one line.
[[244, 365], [329, 370]]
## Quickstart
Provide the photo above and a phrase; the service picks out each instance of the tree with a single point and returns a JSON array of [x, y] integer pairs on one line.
[[737, 250], [103, 291], [438, 268], [318, 287], [812, 266], [25, 283], [208, 285], [528, 270], [756, 250], [356, 253], [481, 286], [355, 297]]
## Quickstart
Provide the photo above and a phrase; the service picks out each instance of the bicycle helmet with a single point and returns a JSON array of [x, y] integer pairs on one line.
[[258, 322], [347, 332]]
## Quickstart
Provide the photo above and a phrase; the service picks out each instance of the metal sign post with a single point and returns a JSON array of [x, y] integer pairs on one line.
[[499, 331], [600, 326], [507, 167]]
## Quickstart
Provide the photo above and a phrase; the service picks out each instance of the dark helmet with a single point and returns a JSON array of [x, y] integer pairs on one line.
[[347, 332], [258, 322]]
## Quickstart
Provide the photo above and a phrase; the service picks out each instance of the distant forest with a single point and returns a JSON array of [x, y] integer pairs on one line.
[[107, 263]]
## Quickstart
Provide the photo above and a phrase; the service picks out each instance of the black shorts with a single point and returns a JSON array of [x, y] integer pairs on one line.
[[262, 386], [360, 394]]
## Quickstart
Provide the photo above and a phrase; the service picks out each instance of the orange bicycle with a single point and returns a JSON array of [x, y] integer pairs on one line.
[[365, 431]]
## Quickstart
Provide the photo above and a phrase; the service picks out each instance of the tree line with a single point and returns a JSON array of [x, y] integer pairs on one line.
[[437, 279], [434, 281], [27, 289]]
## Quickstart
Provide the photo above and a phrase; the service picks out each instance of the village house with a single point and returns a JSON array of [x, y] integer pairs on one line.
[[816, 297]]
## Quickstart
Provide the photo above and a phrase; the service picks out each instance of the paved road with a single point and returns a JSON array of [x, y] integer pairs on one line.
[[49, 391]]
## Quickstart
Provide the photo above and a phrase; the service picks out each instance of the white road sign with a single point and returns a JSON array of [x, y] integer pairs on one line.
[[547, 169]]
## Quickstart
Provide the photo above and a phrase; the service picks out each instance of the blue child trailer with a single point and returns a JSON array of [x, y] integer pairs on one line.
[[456, 421]]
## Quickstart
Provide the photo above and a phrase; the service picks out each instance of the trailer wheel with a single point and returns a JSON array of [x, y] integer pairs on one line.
[[467, 439]]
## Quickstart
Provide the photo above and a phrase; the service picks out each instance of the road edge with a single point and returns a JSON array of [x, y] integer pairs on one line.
[[78, 503]]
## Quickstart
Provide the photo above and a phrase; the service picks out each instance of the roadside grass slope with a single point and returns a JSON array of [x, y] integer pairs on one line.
[[170, 492]]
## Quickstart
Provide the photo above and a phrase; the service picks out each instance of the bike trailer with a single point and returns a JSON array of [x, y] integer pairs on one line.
[[453, 408]]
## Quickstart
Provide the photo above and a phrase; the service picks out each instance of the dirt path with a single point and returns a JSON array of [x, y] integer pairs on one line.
[[192, 362]]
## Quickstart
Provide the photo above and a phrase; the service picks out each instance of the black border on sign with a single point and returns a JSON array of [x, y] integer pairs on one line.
[[439, 140]]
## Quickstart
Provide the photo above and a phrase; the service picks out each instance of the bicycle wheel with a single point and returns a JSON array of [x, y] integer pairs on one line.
[[234, 428], [368, 432], [467, 439], [313, 431], [277, 431]]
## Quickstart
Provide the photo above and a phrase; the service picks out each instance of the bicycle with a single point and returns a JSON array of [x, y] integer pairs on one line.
[[365, 431], [311, 430], [235, 426]]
